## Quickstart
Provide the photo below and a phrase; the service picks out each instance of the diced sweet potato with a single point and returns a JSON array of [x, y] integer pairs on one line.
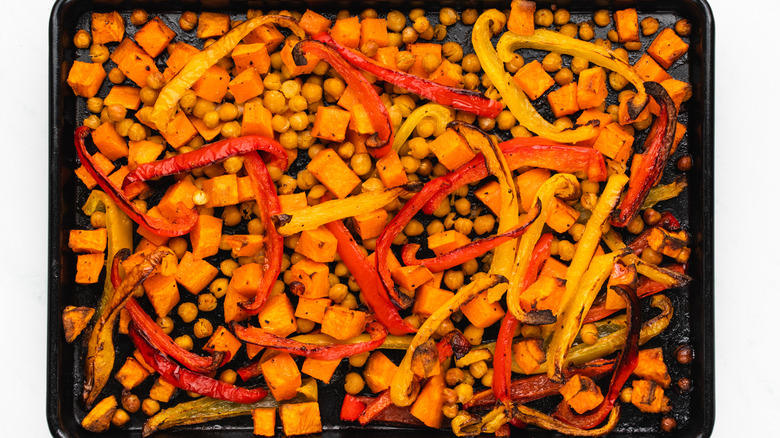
[[428, 299], [533, 80], [649, 70], [347, 32], [318, 245], [264, 420], [320, 369], [359, 120], [98, 419], [154, 37], [649, 397], [562, 216], [378, 372], [85, 78], [211, 24], [446, 241], [142, 152], [490, 196], [179, 54], [246, 85], [137, 65], [623, 117], [614, 142], [342, 323], [330, 123], [651, 366], [109, 142], [312, 309], [89, 267], [427, 407], [581, 393], [448, 74], [371, 224], [333, 172], [411, 277], [223, 340], [563, 101], [278, 316], [521, 17], [162, 292], [300, 418], [267, 34], [282, 376], [177, 198], [528, 183], [213, 85], [92, 241], [256, 120], [374, 29], [75, 320], [390, 170], [221, 190], [162, 391], [254, 56], [679, 91], [668, 243], [292, 67], [314, 277], [385, 56], [107, 27], [245, 279], [481, 312], [528, 354], [313, 23], [295, 201], [243, 245], [592, 87], [179, 131], [127, 96], [544, 294], [420, 50], [194, 274], [667, 48], [627, 25], [131, 374]]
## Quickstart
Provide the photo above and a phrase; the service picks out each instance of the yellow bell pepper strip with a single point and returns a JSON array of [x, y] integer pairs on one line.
[[552, 41], [311, 218], [167, 101], [665, 192], [465, 424], [532, 416], [401, 387], [653, 160], [514, 98], [161, 227], [441, 115], [99, 361], [665, 276], [560, 184]]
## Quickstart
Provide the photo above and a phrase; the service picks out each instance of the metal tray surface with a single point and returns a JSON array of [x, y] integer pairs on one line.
[[693, 321]]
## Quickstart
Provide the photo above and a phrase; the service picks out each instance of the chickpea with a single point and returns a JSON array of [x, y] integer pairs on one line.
[[561, 17], [280, 124], [139, 17], [586, 32], [227, 267], [448, 16], [421, 24], [683, 27], [636, 226], [98, 220], [444, 208], [166, 324], [478, 369], [202, 328], [465, 392], [334, 87], [409, 35], [633, 45], [651, 217], [188, 20], [136, 132], [463, 225], [668, 424], [430, 63], [552, 62], [185, 342], [358, 360], [361, 164], [578, 64], [617, 81], [486, 123], [589, 334], [471, 64], [435, 226], [207, 302], [649, 26], [98, 53], [130, 402], [188, 312], [416, 13], [116, 76], [453, 279], [274, 101], [338, 292], [463, 206], [564, 76], [651, 256], [484, 224], [426, 168], [469, 16], [396, 21], [219, 287], [473, 334], [353, 383], [685, 163], [612, 35], [626, 394], [543, 17], [95, 105], [82, 39], [602, 18], [565, 250], [394, 39]]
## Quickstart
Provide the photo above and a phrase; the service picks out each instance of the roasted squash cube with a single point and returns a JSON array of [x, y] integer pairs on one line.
[[346, 31], [428, 299], [264, 420], [667, 48], [314, 277], [85, 78], [211, 24], [300, 418], [109, 142], [246, 85], [330, 123], [251, 56], [282, 376], [92, 241], [154, 37], [107, 28], [481, 312], [89, 267], [213, 85], [581, 393], [371, 224], [563, 101], [320, 369], [313, 23], [333, 172], [451, 149], [446, 241], [277, 316], [390, 170], [592, 87], [521, 17], [179, 131], [562, 216], [221, 190], [649, 70], [528, 354], [627, 25], [649, 397], [378, 372], [614, 142], [75, 320], [411, 277], [98, 420], [342, 323], [318, 245], [256, 120], [162, 391], [162, 292], [131, 374], [528, 184], [312, 309], [651, 366], [223, 340], [533, 80]]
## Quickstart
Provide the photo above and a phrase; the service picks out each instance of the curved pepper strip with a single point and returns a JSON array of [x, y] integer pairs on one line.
[[668, 277], [396, 225], [514, 98], [262, 338], [464, 100], [402, 391], [441, 115], [502, 357], [207, 155], [381, 142], [551, 41], [652, 162], [625, 366], [265, 195], [187, 380], [527, 151], [532, 416], [158, 338], [160, 227], [167, 101], [366, 276]]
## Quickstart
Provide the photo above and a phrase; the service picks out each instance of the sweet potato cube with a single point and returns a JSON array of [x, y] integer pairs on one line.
[[131, 374], [428, 299], [446, 241], [447, 74], [256, 120], [528, 183], [528, 354], [142, 152], [88, 268], [246, 85], [148, 235], [411, 277], [312, 309], [533, 80], [668, 243], [427, 407], [649, 70], [627, 25], [490, 196], [109, 142], [563, 101], [300, 418], [205, 236], [194, 274], [420, 50], [82, 173], [392, 261], [85, 78], [127, 96], [313, 23], [349, 98], [282, 376], [320, 369], [179, 131], [333, 172], [267, 34], [232, 309], [679, 91], [162, 292], [481, 312], [222, 190], [592, 87], [254, 56], [289, 62], [243, 245], [385, 56], [451, 149], [371, 224], [562, 216], [132, 190], [92, 241], [318, 245], [179, 54], [245, 279], [177, 198], [107, 28], [651, 366], [581, 393], [313, 276], [342, 323], [211, 24], [378, 372], [213, 85], [521, 17], [648, 396], [75, 320], [347, 32], [278, 316], [359, 120], [667, 48], [390, 170], [98, 420], [544, 294], [162, 391], [330, 123], [295, 201], [264, 420], [614, 142], [678, 136], [553, 268], [373, 29], [223, 340], [137, 66], [154, 37]]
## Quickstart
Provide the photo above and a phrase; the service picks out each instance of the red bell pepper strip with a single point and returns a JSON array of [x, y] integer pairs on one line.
[[258, 336], [657, 147], [375, 407], [265, 195], [158, 226], [351, 408], [156, 336], [407, 212], [206, 155], [187, 380], [625, 366], [502, 358], [467, 252], [457, 98], [368, 279], [381, 142], [527, 151]]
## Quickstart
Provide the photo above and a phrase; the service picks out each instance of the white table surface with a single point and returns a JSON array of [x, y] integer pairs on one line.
[[746, 248]]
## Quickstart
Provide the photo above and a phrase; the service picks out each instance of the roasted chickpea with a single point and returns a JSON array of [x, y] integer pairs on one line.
[[685, 163], [636, 225], [471, 64], [586, 32], [453, 279], [430, 63], [578, 64], [651, 256], [202, 328], [602, 18], [188, 20], [552, 62], [227, 267], [98, 53], [396, 21], [361, 164], [649, 26], [486, 123], [465, 392], [358, 360], [166, 324], [469, 16], [421, 24], [185, 342], [338, 292], [448, 16], [561, 16], [565, 250], [484, 224], [116, 76], [564, 76], [409, 35], [683, 27], [218, 287], [207, 302], [543, 17], [150, 406], [188, 312], [633, 45], [95, 105], [82, 39], [651, 217], [589, 334], [353, 383], [130, 402]]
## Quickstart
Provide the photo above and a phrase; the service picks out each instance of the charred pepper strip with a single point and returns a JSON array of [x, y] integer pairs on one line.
[[457, 98], [187, 380], [265, 195], [258, 336], [366, 276], [160, 227], [653, 160], [381, 142], [206, 155]]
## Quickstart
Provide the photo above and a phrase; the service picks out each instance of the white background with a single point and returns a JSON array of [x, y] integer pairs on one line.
[[746, 210]]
